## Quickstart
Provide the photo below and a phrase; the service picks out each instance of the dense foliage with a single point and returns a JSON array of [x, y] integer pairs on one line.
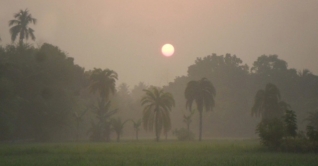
[[39, 88]]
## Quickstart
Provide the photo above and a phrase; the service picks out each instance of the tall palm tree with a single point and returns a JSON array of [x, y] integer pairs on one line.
[[19, 26], [103, 82], [201, 92], [157, 105], [268, 104]]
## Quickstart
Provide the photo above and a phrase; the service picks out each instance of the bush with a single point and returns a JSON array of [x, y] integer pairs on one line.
[[184, 134], [271, 132]]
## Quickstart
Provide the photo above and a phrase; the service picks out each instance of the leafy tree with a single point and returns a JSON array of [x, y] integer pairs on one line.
[[157, 105], [20, 26], [291, 123], [312, 127], [270, 66], [201, 92], [268, 104], [38, 97]]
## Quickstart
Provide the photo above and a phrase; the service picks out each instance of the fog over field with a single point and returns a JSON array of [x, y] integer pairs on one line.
[[97, 71], [127, 36]]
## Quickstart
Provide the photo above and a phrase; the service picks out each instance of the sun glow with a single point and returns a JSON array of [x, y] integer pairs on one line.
[[167, 50]]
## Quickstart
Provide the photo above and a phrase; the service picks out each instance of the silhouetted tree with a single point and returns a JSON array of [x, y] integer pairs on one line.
[[157, 105], [20, 26], [201, 92], [103, 82], [268, 104]]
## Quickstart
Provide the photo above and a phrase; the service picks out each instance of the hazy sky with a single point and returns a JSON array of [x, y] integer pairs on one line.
[[127, 35]]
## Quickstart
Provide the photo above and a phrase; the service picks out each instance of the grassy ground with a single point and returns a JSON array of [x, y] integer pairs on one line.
[[213, 152]]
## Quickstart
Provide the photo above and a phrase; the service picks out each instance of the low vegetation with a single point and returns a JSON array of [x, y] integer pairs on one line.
[[212, 152]]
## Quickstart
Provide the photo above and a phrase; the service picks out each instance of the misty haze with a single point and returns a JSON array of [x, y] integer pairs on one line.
[[208, 82]]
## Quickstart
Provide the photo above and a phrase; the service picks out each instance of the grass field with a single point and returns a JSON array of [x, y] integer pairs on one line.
[[212, 152]]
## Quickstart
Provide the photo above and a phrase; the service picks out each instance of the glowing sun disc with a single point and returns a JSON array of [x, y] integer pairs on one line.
[[167, 50]]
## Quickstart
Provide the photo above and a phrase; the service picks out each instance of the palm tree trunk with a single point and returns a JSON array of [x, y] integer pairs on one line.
[[77, 129], [137, 135], [157, 126], [200, 131], [188, 127], [20, 41], [118, 135]]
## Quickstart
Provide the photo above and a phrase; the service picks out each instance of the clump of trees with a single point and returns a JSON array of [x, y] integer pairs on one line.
[[278, 127]]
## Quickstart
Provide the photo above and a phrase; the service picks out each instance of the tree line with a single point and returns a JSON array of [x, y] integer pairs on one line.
[[45, 96]]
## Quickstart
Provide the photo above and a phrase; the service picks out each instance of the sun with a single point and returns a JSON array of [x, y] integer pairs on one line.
[[167, 50]]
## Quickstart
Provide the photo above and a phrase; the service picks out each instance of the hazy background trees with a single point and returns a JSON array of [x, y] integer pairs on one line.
[[44, 96]]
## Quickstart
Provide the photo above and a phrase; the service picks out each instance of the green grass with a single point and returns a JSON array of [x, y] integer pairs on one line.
[[213, 152]]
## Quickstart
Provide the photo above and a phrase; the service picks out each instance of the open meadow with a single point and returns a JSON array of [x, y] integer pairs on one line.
[[208, 152]]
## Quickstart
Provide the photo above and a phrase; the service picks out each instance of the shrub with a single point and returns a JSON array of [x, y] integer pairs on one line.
[[271, 132], [312, 133], [184, 134]]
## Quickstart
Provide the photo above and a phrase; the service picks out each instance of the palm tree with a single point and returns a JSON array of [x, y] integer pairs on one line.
[[201, 92], [157, 105], [19, 25], [187, 119], [118, 126], [268, 104], [103, 82], [101, 130], [136, 127], [78, 119]]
